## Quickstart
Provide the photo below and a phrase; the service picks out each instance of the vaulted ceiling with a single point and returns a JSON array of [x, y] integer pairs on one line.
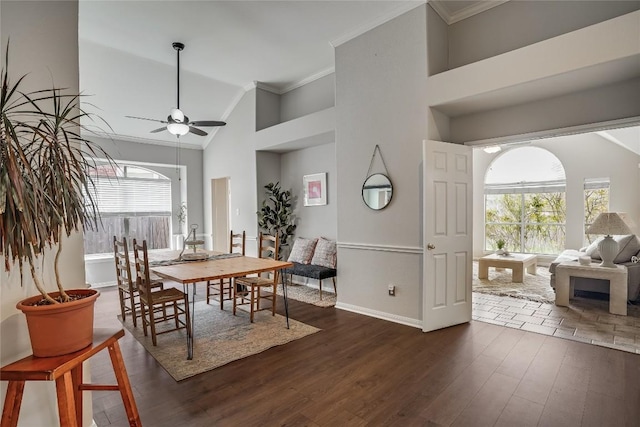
[[128, 65]]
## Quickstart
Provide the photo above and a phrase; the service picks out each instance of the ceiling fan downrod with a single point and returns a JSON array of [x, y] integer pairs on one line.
[[178, 47]]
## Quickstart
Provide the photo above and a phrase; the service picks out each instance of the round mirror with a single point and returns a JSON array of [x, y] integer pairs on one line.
[[377, 191]]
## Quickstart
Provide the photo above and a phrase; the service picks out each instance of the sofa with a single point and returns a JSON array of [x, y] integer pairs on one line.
[[628, 254]]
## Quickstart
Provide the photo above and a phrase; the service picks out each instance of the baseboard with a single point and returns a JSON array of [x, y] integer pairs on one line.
[[415, 323]]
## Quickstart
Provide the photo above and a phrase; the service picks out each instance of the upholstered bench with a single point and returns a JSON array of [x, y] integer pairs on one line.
[[315, 259], [317, 272]]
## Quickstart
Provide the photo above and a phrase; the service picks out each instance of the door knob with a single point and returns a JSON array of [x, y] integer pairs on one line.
[[431, 246]]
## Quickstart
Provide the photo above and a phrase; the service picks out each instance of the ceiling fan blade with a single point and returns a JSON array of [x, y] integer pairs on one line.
[[159, 129], [197, 131], [207, 123], [144, 118]]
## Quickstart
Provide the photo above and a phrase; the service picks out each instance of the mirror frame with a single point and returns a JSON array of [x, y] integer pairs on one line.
[[390, 195]]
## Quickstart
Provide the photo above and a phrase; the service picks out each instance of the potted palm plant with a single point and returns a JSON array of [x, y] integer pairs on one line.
[[45, 195]]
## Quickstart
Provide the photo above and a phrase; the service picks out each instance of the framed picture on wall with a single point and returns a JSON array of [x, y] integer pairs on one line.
[[315, 189]]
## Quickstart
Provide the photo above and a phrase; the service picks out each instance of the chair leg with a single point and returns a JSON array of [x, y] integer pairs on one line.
[[187, 314], [132, 299], [221, 293], [320, 289], [235, 296], [145, 322], [252, 302], [152, 321], [335, 290], [175, 313], [208, 290], [122, 310]]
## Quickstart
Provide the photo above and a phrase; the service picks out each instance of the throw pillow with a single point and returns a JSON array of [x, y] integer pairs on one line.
[[628, 246], [592, 249], [302, 250], [325, 254]]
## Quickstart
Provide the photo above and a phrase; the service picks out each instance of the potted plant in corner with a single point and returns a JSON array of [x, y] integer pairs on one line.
[[45, 195], [276, 215]]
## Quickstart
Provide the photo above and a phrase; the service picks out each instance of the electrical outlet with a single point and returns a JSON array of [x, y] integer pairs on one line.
[[392, 290]]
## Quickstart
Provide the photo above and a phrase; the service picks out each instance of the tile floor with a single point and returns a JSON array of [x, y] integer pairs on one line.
[[586, 320]]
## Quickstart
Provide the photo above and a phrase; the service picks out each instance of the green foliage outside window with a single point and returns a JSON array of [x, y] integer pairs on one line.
[[527, 222]]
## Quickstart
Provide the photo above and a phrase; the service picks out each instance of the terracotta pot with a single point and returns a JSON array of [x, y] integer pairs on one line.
[[58, 329]]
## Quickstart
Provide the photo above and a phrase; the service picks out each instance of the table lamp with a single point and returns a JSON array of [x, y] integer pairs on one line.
[[609, 223]]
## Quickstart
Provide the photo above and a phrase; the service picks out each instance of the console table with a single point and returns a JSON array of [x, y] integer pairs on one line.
[[617, 278], [66, 371]]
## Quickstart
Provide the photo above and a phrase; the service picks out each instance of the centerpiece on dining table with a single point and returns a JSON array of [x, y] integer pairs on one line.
[[193, 242]]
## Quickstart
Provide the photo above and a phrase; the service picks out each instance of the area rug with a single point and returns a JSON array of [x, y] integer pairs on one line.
[[309, 295], [534, 288], [220, 338]]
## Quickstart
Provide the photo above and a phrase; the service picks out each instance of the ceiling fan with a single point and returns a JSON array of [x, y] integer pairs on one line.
[[177, 123]]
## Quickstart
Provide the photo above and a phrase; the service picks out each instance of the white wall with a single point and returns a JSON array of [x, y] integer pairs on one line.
[[44, 43], [582, 156], [381, 99]]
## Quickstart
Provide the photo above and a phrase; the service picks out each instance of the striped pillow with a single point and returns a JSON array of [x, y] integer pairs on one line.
[[325, 253], [302, 250]]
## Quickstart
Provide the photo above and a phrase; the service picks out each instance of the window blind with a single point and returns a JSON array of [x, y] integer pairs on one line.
[[526, 187], [132, 196]]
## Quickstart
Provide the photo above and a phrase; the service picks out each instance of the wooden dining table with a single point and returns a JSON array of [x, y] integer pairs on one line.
[[219, 266]]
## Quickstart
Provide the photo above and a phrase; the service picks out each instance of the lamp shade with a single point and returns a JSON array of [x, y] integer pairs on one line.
[[609, 223]]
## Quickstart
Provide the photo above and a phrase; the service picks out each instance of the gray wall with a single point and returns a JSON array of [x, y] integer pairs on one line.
[[267, 109], [582, 156], [163, 155], [380, 99], [601, 104], [310, 98], [312, 221], [520, 23]]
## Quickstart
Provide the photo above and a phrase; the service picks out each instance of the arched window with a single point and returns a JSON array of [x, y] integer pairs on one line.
[[525, 202], [134, 202]]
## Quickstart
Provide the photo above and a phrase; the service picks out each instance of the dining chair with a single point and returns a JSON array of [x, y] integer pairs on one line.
[[159, 306], [223, 286], [247, 290], [127, 289]]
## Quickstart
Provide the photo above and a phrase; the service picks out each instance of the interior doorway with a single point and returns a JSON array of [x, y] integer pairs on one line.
[[220, 213]]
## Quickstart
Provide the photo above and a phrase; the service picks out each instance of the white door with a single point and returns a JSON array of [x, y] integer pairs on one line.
[[220, 214], [447, 214]]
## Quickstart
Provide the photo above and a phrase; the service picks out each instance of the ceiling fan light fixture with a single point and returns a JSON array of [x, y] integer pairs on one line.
[[179, 129], [177, 115]]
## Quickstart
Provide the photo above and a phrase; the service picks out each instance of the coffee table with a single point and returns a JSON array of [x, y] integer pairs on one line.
[[514, 261]]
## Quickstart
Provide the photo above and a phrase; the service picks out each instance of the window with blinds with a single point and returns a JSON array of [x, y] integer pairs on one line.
[[134, 202]]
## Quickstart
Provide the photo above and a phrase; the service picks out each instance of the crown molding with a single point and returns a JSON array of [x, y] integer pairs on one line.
[[307, 80], [467, 12], [394, 13], [268, 88]]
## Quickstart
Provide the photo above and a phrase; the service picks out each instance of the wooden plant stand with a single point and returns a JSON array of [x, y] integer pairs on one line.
[[66, 371]]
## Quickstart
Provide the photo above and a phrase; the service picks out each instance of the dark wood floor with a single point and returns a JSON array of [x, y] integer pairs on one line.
[[361, 371]]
